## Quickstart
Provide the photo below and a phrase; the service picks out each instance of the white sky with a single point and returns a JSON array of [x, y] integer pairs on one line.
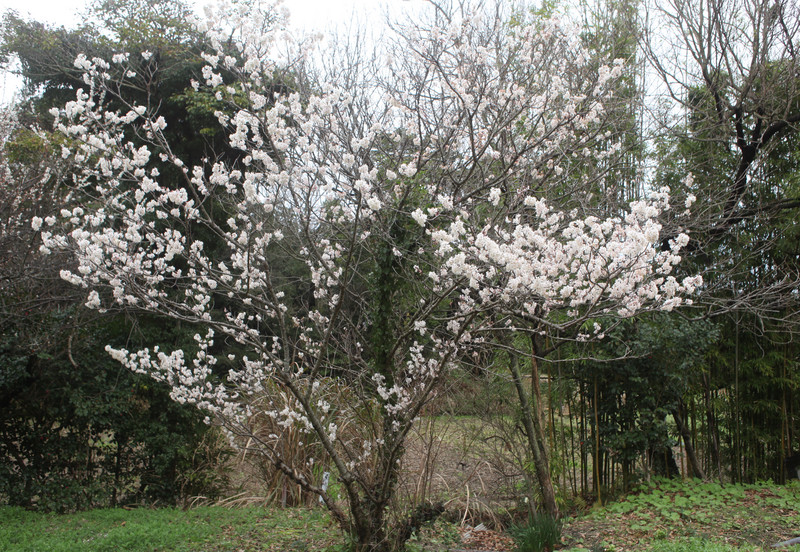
[[308, 15], [316, 14]]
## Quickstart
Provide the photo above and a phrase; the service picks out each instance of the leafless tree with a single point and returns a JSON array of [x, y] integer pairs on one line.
[[729, 69]]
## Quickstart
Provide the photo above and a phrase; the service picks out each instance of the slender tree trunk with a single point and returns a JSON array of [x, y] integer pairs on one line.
[[583, 441], [597, 459], [713, 432], [694, 466], [536, 391], [117, 471], [736, 449], [571, 414], [691, 416], [785, 447], [536, 439]]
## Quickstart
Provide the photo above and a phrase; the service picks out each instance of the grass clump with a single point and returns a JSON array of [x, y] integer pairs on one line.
[[541, 534]]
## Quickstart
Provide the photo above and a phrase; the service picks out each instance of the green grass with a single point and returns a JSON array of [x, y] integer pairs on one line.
[[540, 534], [205, 529], [693, 545]]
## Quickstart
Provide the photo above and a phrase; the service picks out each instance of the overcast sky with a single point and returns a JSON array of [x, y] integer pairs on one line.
[[309, 15], [316, 14]]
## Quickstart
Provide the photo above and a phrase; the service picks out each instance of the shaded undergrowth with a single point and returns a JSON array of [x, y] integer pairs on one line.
[[667, 515]]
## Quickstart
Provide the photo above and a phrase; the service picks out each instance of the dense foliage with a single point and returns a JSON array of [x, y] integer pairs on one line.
[[77, 431]]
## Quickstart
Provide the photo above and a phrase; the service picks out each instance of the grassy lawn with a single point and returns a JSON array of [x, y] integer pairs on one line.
[[207, 529]]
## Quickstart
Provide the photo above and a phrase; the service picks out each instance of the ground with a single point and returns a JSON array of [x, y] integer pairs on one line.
[[707, 515]]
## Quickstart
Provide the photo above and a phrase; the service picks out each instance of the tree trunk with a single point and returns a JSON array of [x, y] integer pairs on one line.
[[536, 438], [371, 524], [369, 531], [597, 461], [713, 432], [694, 466], [369, 527]]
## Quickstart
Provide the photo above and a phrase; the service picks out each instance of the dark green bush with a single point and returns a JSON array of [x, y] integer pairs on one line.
[[78, 430]]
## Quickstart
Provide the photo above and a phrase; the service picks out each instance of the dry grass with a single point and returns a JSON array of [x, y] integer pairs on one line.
[[454, 459]]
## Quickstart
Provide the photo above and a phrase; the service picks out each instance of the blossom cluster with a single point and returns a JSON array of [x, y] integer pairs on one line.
[[544, 259]]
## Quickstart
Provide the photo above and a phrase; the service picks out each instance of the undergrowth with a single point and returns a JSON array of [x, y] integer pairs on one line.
[[661, 516], [673, 515]]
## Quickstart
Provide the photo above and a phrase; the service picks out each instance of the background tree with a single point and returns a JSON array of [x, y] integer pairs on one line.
[[733, 72], [732, 68]]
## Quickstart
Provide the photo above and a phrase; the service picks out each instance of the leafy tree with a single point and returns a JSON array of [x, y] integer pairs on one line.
[[736, 81], [640, 376]]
